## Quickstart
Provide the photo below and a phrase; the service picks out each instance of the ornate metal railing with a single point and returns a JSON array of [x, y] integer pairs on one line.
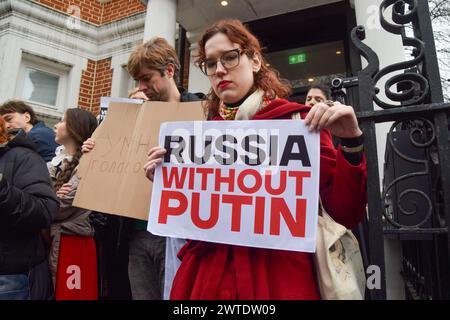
[[414, 203]]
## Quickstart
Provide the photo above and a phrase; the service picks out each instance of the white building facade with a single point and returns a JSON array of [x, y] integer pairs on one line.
[[45, 53]]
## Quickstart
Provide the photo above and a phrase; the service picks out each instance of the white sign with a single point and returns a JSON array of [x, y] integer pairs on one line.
[[249, 183]]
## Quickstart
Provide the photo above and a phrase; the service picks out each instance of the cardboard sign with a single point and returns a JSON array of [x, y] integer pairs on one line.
[[249, 183], [104, 105], [112, 174]]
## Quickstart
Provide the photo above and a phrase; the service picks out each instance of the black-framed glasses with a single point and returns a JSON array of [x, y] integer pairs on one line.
[[229, 60]]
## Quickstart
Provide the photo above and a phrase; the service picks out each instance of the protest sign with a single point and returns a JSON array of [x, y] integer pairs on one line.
[[105, 101], [112, 174], [249, 183]]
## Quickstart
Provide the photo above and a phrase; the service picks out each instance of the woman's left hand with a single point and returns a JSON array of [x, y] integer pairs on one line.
[[64, 190], [338, 118]]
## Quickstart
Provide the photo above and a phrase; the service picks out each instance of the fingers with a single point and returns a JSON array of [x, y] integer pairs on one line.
[[150, 167], [150, 175], [343, 123], [343, 116], [332, 117], [155, 157], [139, 95], [336, 104], [338, 113], [64, 190], [310, 115], [88, 145], [60, 194], [152, 164], [156, 152], [322, 116], [323, 122], [315, 115]]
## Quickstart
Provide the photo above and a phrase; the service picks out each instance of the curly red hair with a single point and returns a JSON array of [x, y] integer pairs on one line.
[[267, 79], [3, 131]]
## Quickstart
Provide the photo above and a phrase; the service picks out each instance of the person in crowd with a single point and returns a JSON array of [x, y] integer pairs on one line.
[[155, 65], [232, 59], [73, 258], [317, 93], [27, 205], [20, 115]]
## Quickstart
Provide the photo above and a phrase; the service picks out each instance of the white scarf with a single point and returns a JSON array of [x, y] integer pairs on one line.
[[251, 105]]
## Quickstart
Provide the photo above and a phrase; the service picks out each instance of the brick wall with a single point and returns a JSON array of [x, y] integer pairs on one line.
[[95, 12], [96, 80], [95, 83], [118, 9]]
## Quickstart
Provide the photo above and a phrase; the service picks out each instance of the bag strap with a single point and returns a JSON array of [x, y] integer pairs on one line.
[[321, 207]]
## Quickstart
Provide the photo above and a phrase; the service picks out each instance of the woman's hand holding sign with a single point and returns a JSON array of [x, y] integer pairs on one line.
[[155, 157], [88, 145], [64, 190], [338, 118]]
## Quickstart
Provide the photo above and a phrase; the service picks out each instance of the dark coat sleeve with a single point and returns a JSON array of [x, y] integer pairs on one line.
[[27, 202], [44, 140], [342, 185]]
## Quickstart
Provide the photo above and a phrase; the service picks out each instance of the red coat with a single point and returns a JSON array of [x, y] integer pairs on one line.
[[76, 276], [219, 271]]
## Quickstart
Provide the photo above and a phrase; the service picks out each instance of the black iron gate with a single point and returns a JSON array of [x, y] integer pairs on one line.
[[412, 203]]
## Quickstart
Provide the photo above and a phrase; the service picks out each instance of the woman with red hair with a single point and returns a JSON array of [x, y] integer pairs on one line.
[[3, 132], [243, 87]]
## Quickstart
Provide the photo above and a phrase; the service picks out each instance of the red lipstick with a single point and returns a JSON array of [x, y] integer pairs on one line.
[[223, 84]]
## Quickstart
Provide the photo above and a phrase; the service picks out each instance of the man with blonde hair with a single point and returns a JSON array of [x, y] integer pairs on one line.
[[155, 66]]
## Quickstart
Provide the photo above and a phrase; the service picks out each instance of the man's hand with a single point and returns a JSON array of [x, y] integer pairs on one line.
[[136, 94], [155, 157]]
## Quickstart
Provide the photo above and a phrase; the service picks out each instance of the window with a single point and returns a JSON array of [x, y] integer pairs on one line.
[[43, 84], [40, 86]]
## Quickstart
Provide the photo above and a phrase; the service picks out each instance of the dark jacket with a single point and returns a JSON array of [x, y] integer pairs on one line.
[[27, 205], [44, 139], [190, 97]]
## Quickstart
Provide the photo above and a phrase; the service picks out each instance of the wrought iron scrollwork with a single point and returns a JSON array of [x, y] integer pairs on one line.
[[413, 86], [419, 127], [414, 205], [373, 63]]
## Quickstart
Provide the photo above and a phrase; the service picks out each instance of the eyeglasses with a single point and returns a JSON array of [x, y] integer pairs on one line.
[[229, 60]]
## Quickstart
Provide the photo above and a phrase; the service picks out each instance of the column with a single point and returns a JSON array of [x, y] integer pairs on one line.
[[161, 20]]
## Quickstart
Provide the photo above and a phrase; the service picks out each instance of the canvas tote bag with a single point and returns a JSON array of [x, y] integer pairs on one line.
[[337, 260]]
